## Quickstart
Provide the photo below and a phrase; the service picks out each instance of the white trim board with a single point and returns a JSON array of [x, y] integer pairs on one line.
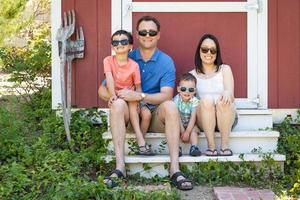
[[55, 62]]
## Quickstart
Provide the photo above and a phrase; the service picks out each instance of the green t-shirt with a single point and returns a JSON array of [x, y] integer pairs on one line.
[[185, 108]]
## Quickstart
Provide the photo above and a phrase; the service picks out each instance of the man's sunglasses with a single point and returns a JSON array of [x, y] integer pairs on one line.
[[185, 89], [144, 33], [205, 50], [122, 42]]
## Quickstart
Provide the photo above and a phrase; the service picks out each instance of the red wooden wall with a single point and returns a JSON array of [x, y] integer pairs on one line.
[[284, 51], [284, 54]]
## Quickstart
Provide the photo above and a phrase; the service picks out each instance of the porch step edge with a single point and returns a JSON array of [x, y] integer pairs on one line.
[[133, 159], [235, 134]]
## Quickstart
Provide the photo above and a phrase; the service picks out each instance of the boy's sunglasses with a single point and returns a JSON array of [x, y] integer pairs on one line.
[[205, 50], [144, 33], [185, 89], [122, 42]]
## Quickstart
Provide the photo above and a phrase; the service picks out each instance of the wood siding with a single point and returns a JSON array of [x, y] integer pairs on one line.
[[284, 52]]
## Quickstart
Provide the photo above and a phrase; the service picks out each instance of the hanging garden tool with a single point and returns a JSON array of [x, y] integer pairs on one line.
[[68, 51]]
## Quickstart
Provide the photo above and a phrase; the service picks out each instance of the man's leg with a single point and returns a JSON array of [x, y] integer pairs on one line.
[[167, 113]]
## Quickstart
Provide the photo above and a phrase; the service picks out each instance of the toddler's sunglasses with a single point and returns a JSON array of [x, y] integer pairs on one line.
[[205, 50], [122, 42], [185, 89], [144, 33]]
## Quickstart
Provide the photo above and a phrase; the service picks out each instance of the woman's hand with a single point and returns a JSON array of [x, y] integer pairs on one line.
[[226, 98], [111, 100]]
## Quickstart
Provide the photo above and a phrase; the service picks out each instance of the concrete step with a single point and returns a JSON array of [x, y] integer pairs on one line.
[[249, 119], [149, 166], [240, 142]]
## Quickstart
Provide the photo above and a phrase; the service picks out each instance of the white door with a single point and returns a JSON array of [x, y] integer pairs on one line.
[[250, 82]]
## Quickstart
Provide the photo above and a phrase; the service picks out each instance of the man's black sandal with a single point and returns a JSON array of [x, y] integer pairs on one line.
[[110, 183], [179, 184]]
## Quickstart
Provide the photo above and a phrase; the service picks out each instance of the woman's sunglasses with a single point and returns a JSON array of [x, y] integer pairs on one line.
[[186, 89], [144, 33], [122, 42], [205, 50]]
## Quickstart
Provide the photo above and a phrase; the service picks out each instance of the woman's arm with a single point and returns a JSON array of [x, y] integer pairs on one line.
[[228, 94], [166, 93]]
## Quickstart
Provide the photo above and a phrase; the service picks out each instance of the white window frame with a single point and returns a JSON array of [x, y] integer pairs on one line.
[[257, 30]]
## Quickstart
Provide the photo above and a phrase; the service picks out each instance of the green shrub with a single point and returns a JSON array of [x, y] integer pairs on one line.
[[289, 145]]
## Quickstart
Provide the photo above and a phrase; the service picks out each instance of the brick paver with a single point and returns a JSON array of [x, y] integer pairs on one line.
[[236, 193]]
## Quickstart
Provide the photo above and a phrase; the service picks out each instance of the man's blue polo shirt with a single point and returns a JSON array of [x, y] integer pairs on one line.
[[157, 72]]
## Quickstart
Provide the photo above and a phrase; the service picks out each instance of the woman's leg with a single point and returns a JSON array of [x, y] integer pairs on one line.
[[225, 119], [135, 122], [206, 119], [145, 119]]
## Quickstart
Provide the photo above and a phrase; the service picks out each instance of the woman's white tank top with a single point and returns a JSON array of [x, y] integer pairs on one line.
[[213, 86]]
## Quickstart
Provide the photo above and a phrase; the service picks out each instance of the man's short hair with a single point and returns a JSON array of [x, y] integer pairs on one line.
[[123, 32], [148, 18], [188, 77]]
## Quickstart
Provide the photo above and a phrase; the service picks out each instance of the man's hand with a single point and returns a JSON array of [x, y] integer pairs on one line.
[[111, 100], [185, 137], [129, 95]]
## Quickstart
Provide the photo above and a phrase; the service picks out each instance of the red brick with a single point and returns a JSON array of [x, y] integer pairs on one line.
[[240, 196]]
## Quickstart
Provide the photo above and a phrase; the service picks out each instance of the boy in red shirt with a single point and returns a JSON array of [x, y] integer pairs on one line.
[[122, 72]]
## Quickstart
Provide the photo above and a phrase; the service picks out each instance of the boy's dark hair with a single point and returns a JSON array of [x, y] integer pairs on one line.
[[123, 32], [188, 77], [148, 18]]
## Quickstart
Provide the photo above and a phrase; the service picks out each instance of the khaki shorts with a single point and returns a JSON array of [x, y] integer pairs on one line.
[[156, 125]]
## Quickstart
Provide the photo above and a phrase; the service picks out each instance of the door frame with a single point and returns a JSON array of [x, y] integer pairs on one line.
[[257, 30]]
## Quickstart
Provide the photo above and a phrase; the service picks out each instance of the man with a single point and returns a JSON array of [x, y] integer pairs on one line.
[[158, 80]]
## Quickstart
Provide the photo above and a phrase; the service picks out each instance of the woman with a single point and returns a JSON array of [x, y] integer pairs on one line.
[[215, 88]]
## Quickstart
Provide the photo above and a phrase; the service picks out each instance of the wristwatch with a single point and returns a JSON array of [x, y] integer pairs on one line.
[[143, 95]]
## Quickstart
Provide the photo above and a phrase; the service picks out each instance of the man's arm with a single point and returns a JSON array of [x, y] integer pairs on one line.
[[166, 93]]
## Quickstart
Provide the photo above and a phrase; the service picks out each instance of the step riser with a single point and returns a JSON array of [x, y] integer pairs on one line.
[[253, 122], [238, 145], [149, 166], [248, 120], [160, 170]]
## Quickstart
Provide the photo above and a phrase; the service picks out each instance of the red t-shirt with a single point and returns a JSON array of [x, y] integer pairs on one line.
[[125, 76]]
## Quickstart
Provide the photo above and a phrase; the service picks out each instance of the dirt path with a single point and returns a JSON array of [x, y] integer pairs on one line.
[[198, 193]]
